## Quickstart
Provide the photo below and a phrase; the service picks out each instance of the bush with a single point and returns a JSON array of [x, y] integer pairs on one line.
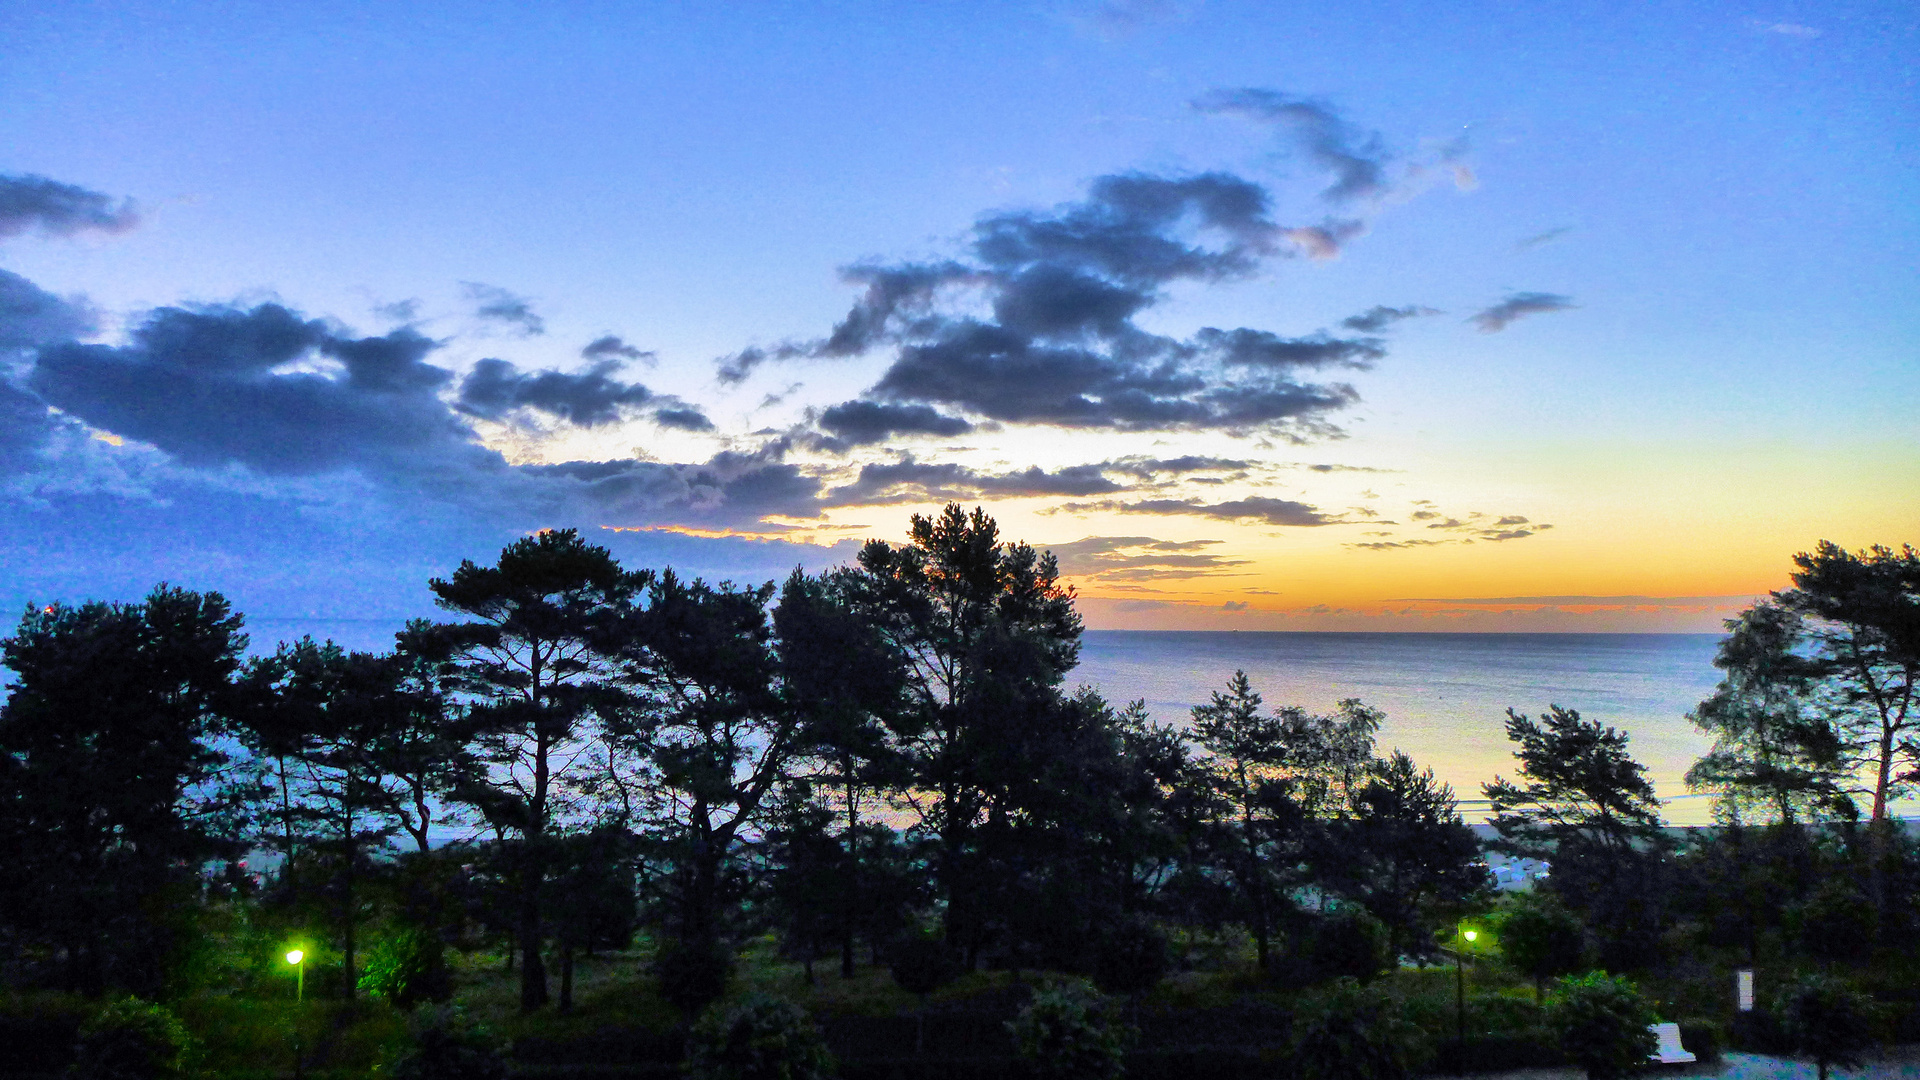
[[447, 1046], [1069, 1032], [1838, 923], [922, 963], [761, 1038], [131, 1039], [1541, 939], [1604, 1024], [1132, 956], [1703, 1039], [1352, 944], [408, 968], [693, 974], [1826, 1021], [1356, 1033]]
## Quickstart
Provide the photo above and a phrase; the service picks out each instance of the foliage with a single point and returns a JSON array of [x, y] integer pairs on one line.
[[1351, 944], [760, 1038], [1403, 852], [1865, 613], [693, 973], [1541, 939], [1826, 1020], [1132, 956], [1068, 1032], [1582, 790], [447, 1045], [1357, 1033], [1772, 752], [1837, 923], [408, 967], [1604, 1024], [922, 963], [131, 1039], [113, 782]]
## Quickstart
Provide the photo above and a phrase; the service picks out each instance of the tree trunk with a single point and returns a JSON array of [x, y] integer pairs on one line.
[[566, 975], [533, 970]]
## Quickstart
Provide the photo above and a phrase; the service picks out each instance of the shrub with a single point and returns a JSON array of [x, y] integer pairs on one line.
[[761, 1038], [1132, 956], [922, 963], [693, 974], [1838, 923], [1352, 944], [1356, 1033], [1604, 1024], [1069, 1032], [131, 1039], [1826, 1020], [445, 1045], [1541, 939], [408, 968]]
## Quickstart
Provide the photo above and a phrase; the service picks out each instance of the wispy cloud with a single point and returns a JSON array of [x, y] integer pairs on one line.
[[1519, 306], [1258, 509], [495, 304], [1537, 239]]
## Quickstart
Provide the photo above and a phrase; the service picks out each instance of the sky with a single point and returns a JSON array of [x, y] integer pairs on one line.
[[1371, 316]]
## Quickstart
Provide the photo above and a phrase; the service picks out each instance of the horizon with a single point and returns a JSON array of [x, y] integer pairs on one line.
[[1451, 322]]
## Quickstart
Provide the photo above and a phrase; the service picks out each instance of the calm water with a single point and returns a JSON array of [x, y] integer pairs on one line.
[[1445, 695]]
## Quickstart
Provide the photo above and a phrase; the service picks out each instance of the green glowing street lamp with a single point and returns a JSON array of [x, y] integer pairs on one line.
[[1469, 936], [299, 961]]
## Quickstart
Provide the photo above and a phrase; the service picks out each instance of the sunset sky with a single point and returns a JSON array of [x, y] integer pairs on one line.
[[1382, 316]]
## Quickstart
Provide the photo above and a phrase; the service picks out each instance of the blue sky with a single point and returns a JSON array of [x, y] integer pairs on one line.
[[1717, 203]]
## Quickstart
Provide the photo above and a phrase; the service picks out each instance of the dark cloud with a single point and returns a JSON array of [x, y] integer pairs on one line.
[[1518, 306], [1147, 468], [1038, 325], [858, 423], [30, 316], [1260, 348], [613, 348], [495, 388], [1379, 317], [1140, 558], [29, 202], [683, 418], [1258, 508], [1327, 239], [1356, 159], [261, 387], [496, 304], [904, 481]]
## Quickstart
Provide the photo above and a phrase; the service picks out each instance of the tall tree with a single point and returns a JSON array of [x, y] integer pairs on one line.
[[1865, 612], [1586, 804], [847, 684], [988, 634], [532, 667], [705, 715], [1771, 752], [117, 788], [1249, 775]]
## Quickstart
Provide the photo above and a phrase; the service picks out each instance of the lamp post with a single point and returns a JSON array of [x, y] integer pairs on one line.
[[1460, 991], [298, 958]]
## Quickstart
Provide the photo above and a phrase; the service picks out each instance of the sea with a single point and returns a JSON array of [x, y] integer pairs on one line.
[[1445, 696]]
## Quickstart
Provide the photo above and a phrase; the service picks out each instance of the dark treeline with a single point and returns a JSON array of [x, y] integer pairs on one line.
[[857, 760], [886, 763]]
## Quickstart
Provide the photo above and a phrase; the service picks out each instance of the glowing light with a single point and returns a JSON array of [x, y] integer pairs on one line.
[[1473, 935], [294, 956]]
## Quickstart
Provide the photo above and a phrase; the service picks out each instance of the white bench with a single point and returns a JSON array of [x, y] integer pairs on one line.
[[1670, 1052]]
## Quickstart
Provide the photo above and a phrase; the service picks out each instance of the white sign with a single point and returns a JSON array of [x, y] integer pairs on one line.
[[1743, 984]]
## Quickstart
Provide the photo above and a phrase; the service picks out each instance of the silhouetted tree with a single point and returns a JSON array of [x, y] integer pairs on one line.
[[531, 668], [116, 788], [988, 634], [1541, 939], [1772, 751]]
